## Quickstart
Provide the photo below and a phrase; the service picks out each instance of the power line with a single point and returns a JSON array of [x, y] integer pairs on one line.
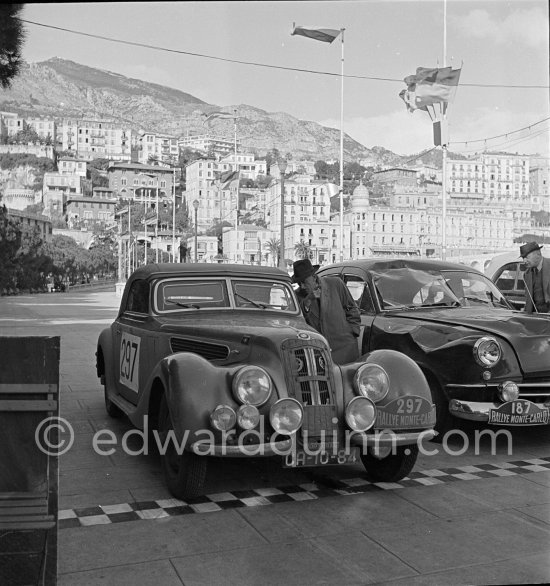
[[256, 64], [505, 134]]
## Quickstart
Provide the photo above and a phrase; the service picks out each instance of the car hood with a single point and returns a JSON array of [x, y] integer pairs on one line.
[[240, 330], [529, 335]]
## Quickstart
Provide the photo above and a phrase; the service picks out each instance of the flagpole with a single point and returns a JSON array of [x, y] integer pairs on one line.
[[444, 147], [342, 151], [236, 169]]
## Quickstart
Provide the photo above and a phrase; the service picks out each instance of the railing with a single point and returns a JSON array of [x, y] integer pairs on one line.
[[96, 284]]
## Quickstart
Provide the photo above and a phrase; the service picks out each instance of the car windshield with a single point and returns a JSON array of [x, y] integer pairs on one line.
[[192, 294], [406, 287]]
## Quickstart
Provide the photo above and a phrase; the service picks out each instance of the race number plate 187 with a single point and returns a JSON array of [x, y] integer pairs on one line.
[[129, 361], [519, 412]]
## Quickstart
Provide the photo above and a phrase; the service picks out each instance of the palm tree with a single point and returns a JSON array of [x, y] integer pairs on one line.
[[272, 246], [302, 250]]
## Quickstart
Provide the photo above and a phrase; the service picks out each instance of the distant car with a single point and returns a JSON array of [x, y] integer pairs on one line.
[[58, 287], [220, 359], [483, 360]]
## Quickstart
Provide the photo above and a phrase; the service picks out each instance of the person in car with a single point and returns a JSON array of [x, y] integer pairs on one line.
[[328, 307], [537, 278]]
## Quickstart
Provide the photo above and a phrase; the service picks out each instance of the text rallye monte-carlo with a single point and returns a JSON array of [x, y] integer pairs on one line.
[[219, 361]]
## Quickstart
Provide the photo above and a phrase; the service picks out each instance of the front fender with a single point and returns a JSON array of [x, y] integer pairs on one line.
[[406, 377], [194, 387]]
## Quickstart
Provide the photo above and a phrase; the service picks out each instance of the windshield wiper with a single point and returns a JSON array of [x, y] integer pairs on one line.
[[184, 305], [260, 305], [441, 304]]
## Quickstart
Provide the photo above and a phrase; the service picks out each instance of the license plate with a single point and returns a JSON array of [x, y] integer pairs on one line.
[[300, 458], [519, 412], [409, 412]]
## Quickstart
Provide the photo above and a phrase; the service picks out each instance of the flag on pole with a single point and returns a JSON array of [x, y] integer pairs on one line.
[[430, 86], [327, 35], [220, 116]]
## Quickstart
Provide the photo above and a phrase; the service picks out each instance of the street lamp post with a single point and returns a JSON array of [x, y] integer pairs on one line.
[[196, 206], [282, 169]]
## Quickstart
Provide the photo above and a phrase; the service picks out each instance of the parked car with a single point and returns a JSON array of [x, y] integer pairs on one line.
[[506, 271], [220, 359], [483, 360]]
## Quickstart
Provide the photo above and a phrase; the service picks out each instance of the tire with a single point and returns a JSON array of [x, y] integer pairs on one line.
[[184, 474], [393, 467]]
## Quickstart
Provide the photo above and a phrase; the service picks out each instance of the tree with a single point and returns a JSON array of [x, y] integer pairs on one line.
[[10, 242], [273, 246], [302, 250], [12, 37]]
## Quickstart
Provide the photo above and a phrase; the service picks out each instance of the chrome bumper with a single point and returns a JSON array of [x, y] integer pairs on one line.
[[206, 448], [390, 438], [472, 410]]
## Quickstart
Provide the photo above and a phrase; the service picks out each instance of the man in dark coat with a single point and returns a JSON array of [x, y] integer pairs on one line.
[[537, 279], [329, 307]]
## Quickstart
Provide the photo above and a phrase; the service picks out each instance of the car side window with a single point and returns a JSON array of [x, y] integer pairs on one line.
[[507, 278], [521, 283], [360, 292], [138, 297]]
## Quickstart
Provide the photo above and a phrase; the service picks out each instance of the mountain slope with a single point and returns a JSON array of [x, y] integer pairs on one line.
[[62, 89]]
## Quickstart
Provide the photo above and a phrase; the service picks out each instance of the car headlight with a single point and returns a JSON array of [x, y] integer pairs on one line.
[[372, 381], [223, 418], [252, 386], [248, 416], [360, 414], [487, 351], [286, 416], [508, 391]]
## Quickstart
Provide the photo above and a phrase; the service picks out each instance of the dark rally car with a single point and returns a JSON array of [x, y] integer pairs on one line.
[[483, 360], [217, 360]]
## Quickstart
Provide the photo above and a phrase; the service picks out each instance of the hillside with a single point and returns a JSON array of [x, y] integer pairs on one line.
[[59, 88]]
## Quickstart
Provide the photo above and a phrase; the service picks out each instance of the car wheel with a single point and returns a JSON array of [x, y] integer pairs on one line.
[[184, 473], [393, 467]]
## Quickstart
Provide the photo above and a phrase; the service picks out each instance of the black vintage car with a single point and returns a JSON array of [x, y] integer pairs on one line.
[[483, 360], [217, 360]]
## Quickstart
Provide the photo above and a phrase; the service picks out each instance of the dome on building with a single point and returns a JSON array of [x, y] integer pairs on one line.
[[360, 198]]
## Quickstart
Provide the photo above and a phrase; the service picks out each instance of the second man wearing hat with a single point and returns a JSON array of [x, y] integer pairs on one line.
[[329, 307], [537, 278]]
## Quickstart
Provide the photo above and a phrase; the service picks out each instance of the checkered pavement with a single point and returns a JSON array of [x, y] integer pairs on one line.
[[323, 486]]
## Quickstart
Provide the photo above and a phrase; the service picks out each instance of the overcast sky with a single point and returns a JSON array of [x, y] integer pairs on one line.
[[500, 42]]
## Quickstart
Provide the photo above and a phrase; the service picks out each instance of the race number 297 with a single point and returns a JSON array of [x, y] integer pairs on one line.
[[129, 361]]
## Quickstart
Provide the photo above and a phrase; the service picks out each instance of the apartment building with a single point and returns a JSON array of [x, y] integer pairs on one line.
[[85, 212], [141, 182], [209, 144], [12, 123], [95, 139], [157, 147]]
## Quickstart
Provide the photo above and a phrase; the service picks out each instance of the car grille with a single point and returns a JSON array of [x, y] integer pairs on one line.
[[536, 392], [205, 349], [308, 369]]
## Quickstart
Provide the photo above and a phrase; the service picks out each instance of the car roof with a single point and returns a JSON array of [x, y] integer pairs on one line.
[[380, 264], [207, 269]]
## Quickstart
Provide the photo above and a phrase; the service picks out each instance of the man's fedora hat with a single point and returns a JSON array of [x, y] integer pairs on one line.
[[302, 270], [525, 249]]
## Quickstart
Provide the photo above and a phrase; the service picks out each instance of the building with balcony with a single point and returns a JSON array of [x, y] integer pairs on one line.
[[95, 139], [85, 212], [539, 179], [70, 166], [12, 123], [140, 182], [210, 144], [157, 147], [247, 244]]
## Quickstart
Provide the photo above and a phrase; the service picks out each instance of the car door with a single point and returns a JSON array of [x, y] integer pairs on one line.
[[135, 342], [356, 281], [509, 279]]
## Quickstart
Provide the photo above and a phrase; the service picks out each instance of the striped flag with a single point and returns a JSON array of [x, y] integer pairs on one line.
[[220, 116], [327, 35]]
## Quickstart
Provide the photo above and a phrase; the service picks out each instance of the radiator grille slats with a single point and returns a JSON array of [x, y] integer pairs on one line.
[[207, 350], [308, 372]]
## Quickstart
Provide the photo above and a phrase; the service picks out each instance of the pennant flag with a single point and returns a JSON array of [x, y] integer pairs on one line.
[[327, 35], [219, 115], [430, 86]]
